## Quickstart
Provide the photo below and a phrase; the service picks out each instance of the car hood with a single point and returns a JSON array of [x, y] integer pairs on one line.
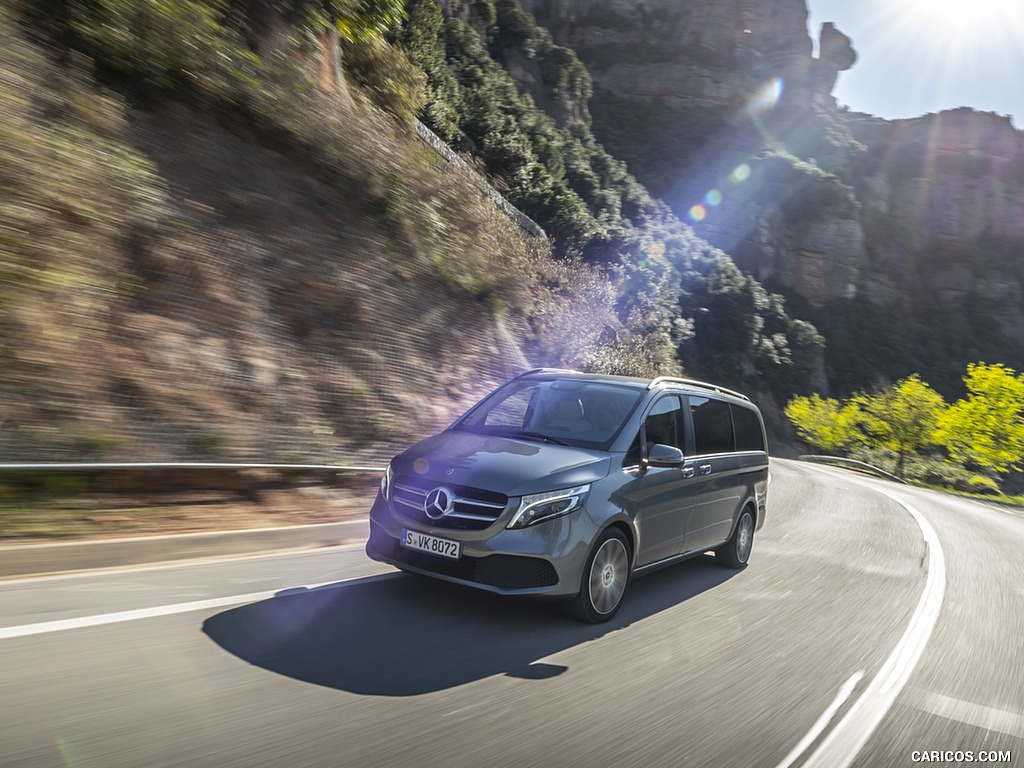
[[508, 465]]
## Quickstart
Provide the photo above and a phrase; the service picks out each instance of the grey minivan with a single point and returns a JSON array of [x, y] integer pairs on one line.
[[566, 484]]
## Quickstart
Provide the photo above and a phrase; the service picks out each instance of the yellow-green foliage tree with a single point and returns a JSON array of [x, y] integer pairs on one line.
[[903, 418], [987, 426], [827, 424]]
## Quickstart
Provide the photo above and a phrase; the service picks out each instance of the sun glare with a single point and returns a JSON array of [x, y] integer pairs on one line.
[[966, 16]]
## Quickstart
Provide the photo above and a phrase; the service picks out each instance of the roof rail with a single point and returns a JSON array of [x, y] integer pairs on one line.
[[694, 383], [546, 370]]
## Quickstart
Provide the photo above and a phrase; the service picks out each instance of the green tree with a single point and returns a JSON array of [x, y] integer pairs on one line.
[[903, 418], [361, 19], [827, 424], [987, 426]]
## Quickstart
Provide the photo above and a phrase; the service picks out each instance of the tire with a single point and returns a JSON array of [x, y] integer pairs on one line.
[[604, 581], [736, 551]]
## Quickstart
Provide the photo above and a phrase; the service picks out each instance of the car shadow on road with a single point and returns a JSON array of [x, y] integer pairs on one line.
[[410, 635]]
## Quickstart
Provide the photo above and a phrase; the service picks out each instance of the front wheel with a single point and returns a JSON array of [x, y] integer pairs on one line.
[[736, 551], [604, 581]]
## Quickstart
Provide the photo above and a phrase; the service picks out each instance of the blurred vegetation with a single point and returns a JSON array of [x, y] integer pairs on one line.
[[89, 229], [909, 429], [903, 419], [987, 426], [826, 424], [73, 192]]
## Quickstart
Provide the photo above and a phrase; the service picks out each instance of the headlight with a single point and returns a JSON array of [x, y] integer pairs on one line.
[[544, 506], [385, 483]]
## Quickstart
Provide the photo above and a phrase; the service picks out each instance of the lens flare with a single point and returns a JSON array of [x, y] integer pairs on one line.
[[713, 198], [740, 173], [698, 212], [766, 97]]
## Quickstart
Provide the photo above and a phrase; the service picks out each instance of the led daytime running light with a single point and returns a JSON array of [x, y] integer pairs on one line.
[[541, 506]]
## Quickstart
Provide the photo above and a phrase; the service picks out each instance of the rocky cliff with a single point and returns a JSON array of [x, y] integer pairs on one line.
[[906, 232]]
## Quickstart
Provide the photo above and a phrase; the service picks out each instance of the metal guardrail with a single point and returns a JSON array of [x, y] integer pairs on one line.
[[435, 141], [852, 464], [101, 467]]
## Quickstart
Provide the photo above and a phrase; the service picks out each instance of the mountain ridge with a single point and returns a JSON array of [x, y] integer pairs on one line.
[[908, 227]]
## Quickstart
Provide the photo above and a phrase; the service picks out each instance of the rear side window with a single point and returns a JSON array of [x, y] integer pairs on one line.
[[712, 425], [749, 436]]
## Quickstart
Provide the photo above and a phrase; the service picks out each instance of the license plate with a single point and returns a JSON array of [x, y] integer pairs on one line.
[[435, 545]]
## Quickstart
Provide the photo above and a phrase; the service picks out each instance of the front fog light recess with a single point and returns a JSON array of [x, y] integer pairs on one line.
[[544, 506]]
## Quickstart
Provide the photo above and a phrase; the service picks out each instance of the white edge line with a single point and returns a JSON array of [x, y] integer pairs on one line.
[[25, 630], [185, 562], [823, 721], [989, 718], [844, 742], [191, 535]]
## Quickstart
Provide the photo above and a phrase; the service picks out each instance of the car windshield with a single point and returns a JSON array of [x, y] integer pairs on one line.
[[586, 414]]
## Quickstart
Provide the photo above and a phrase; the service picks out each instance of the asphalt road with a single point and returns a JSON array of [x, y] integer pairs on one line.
[[875, 621]]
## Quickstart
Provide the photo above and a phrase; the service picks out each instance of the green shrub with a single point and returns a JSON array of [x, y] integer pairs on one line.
[[486, 11], [155, 44], [387, 76], [983, 485], [62, 484]]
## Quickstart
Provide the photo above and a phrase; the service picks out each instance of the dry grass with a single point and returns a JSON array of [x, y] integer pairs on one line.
[[259, 270], [111, 516]]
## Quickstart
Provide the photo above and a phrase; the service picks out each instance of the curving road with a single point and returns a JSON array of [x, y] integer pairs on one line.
[[875, 622]]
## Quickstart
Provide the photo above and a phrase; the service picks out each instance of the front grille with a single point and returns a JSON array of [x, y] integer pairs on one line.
[[503, 571], [474, 508]]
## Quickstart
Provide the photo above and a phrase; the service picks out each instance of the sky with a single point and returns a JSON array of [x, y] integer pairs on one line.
[[920, 56]]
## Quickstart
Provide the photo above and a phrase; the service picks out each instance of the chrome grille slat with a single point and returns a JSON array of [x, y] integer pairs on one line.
[[472, 508], [476, 503], [411, 489], [467, 516]]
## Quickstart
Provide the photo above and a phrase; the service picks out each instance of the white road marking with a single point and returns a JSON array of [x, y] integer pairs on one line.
[[823, 721], [989, 718], [183, 563], [81, 622], [840, 747]]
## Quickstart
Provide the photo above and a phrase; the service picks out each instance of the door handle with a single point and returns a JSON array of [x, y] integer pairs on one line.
[[705, 469], [688, 471]]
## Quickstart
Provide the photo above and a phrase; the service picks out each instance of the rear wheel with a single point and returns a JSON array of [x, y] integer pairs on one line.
[[605, 579], [736, 551]]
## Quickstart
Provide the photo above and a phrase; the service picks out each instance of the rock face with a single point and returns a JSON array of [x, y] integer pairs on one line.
[[955, 176], [683, 87], [680, 52], [720, 108]]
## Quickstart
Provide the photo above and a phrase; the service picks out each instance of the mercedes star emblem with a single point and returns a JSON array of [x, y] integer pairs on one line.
[[438, 503]]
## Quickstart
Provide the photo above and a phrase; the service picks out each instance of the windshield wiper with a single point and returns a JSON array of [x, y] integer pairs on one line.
[[540, 436], [482, 430]]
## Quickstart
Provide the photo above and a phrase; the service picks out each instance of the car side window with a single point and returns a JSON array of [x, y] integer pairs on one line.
[[664, 424], [712, 425], [749, 436]]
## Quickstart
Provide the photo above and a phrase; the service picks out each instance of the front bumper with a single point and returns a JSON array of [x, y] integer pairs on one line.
[[544, 559]]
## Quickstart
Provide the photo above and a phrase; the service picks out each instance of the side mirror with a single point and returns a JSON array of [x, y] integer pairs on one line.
[[662, 455]]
